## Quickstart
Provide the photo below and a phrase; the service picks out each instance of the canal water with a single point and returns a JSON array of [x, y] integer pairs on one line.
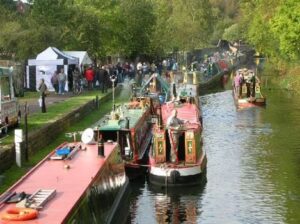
[[253, 168]]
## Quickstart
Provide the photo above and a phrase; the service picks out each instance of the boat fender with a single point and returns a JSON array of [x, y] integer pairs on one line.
[[20, 214], [174, 176]]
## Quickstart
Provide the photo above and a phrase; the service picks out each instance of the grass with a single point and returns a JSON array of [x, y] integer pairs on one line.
[[15, 172], [29, 96], [283, 75], [54, 112]]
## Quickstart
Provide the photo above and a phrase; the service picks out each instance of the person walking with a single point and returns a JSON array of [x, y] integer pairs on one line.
[[54, 81], [236, 84], [70, 79], [62, 77], [43, 89], [76, 81], [89, 75]]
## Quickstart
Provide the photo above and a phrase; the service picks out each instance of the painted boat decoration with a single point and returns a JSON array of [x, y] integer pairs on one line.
[[130, 125], [177, 157], [247, 90], [67, 186]]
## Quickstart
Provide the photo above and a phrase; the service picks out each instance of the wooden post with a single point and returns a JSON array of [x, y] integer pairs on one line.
[[26, 131], [97, 102]]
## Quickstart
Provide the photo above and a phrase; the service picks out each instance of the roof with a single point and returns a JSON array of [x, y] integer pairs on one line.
[[185, 111], [133, 115], [83, 56], [70, 184], [165, 86], [52, 53]]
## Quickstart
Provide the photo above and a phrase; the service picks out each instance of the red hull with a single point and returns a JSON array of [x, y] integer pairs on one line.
[[70, 184]]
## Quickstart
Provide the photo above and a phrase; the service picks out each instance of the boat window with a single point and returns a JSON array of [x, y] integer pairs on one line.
[[109, 135], [5, 89]]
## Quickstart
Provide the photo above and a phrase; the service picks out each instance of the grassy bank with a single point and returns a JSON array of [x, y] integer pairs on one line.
[[15, 173], [54, 112], [284, 75]]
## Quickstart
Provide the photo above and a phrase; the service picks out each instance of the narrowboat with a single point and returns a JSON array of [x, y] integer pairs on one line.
[[157, 88], [176, 156], [76, 183], [247, 89], [130, 125]]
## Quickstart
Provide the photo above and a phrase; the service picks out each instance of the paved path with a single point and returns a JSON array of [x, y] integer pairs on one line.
[[33, 104]]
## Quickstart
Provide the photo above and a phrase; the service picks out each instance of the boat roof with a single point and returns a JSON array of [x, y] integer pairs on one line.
[[185, 111], [134, 115], [165, 85], [70, 184]]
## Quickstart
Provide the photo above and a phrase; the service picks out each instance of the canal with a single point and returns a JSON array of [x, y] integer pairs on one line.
[[253, 168]]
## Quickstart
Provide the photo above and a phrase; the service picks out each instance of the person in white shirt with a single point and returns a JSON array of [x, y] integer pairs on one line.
[[173, 125]]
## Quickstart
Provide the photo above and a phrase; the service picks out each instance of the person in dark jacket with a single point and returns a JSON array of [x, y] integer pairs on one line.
[[103, 79], [43, 89], [70, 79]]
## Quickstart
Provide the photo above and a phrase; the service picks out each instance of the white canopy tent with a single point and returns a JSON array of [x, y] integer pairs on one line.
[[45, 64], [83, 57]]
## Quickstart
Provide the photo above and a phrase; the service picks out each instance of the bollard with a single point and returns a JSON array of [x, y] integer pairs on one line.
[[26, 130], [19, 147]]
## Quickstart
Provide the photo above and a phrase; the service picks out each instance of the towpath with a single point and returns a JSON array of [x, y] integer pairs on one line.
[[33, 105]]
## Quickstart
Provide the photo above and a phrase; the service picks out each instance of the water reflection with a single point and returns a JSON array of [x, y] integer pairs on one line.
[[253, 168], [151, 204]]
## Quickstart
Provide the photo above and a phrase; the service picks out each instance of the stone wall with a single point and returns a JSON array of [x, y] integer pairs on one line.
[[45, 135], [7, 157]]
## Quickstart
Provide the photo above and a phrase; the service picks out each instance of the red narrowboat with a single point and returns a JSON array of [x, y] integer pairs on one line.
[[73, 184], [177, 157]]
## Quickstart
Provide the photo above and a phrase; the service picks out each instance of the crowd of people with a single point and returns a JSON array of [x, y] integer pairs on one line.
[[99, 77], [206, 64], [245, 82]]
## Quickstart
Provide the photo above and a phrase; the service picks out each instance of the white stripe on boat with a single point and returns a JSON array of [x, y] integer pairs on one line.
[[166, 171]]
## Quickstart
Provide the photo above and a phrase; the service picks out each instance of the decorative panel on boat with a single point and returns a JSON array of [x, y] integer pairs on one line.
[[160, 147], [190, 149]]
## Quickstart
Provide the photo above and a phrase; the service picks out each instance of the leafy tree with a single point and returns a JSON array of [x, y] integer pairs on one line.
[[161, 37], [232, 33], [285, 25], [138, 21], [191, 23], [255, 21]]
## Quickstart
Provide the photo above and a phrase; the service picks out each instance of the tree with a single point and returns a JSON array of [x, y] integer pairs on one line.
[[138, 22], [255, 20], [191, 23], [285, 26], [232, 33], [161, 36]]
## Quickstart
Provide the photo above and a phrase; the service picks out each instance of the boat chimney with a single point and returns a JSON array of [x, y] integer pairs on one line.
[[160, 118], [126, 123], [101, 147]]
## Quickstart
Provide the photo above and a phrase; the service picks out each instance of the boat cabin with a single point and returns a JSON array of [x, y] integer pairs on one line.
[[9, 108], [130, 126], [180, 143]]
